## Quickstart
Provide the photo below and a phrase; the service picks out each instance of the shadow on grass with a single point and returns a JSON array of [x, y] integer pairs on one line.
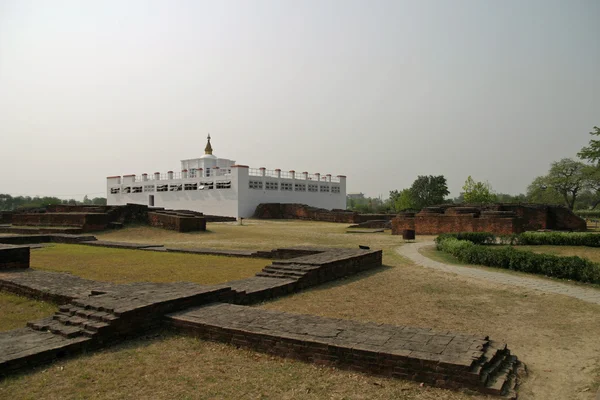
[[333, 284]]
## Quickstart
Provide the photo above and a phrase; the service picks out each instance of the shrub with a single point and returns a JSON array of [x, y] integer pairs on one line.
[[474, 237], [588, 213], [575, 268], [529, 238], [559, 239]]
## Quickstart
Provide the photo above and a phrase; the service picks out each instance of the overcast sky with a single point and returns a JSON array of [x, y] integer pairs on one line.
[[380, 91]]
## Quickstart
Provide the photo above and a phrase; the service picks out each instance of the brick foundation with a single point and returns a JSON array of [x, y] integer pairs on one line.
[[176, 222], [501, 219], [14, 257], [302, 211]]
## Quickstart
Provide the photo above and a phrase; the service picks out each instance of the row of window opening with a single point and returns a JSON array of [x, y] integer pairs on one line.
[[297, 187], [172, 188]]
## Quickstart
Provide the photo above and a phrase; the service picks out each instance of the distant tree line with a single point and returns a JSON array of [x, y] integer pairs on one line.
[[574, 184], [9, 203]]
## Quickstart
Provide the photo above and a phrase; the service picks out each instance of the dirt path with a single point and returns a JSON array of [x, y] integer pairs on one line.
[[411, 251]]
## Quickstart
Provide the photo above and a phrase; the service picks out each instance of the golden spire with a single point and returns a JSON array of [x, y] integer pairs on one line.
[[208, 148]]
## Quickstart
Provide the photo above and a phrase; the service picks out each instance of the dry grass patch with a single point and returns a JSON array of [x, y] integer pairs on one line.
[[256, 234], [556, 336], [123, 266], [177, 367], [15, 311], [591, 253]]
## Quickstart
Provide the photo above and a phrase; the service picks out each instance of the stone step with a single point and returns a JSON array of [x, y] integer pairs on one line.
[[491, 360], [276, 275], [64, 330], [95, 326], [500, 383], [494, 367], [288, 272], [71, 320], [489, 352], [41, 324]]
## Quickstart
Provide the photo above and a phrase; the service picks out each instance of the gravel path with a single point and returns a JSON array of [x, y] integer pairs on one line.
[[411, 251]]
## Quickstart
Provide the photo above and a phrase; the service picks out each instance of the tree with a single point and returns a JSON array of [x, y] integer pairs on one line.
[[478, 192], [99, 201], [591, 153], [538, 191], [427, 191], [567, 178], [405, 201], [509, 198]]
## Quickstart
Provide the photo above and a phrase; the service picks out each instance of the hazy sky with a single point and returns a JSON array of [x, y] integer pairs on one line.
[[380, 91]]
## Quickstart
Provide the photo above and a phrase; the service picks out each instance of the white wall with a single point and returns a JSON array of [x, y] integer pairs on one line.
[[223, 202], [251, 198], [238, 201]]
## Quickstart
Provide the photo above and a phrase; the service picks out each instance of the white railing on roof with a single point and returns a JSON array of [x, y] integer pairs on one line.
[[254, 172], [289, 175], [192, 174]]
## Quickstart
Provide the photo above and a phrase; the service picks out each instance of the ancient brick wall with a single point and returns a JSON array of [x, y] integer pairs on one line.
[[88, 222], [6, 217], [176, 222], [502, 219], [533, 217], [302, 211], [14, 257], [564, 219]]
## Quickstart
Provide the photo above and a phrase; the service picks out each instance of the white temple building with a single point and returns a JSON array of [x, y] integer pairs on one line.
[[219, 186]]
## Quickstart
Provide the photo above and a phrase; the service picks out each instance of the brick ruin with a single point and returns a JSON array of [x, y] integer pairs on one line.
[[304, 212], [502, 219], [94, 314], [84, 218]]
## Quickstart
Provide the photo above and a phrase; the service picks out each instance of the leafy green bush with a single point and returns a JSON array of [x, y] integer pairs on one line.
[[588, 213], [529, 238], [474, 237], [559, 239], [508, 257]]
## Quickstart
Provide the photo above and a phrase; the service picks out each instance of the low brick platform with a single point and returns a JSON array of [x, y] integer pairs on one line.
[[443, 359], [14, 256], [118, 245], [45, 238], [57, 287], [28, 230], [25, 347], [180, 222], [100, 317]]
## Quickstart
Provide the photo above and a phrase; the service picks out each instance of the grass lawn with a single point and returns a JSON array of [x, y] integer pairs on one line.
[[15, 311], [122, 266], [556, 336], [255, 234], [180, 367], [591, 253]]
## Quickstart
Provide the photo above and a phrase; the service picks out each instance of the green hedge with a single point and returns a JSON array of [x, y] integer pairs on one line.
[[529, 238], [559, 239], [508, 257], [474, 237], [588, 213]]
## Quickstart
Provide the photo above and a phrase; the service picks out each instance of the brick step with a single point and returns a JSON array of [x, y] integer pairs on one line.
[[491, 359], [504, 378], [276, 275], [90, 308], [41, 324], [292, 273], [66, 331], [287, 264], [492, 369]]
